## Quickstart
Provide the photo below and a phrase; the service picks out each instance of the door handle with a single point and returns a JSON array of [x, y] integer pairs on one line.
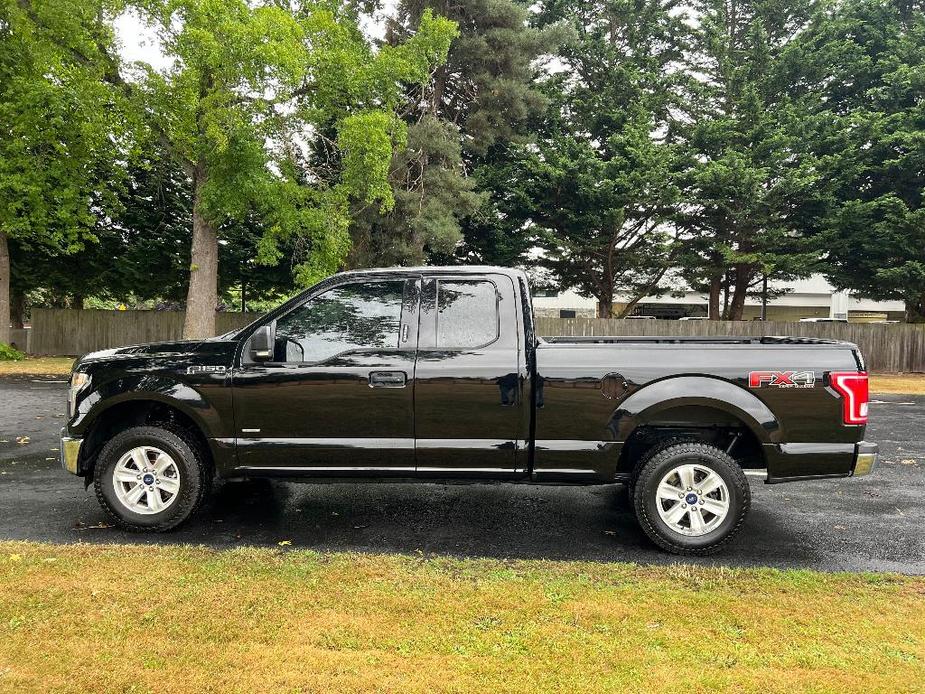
[[387, 379]]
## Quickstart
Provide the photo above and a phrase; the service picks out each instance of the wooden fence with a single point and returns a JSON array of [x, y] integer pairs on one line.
[[72, 331], [887, 348]]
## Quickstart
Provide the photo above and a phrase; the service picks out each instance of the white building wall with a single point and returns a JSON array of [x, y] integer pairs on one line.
[[813, 291]]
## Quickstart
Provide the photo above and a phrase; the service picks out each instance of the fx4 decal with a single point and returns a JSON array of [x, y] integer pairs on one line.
[[781, 379]]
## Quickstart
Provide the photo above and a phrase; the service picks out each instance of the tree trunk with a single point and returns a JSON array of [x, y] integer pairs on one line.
[[605, 306], [716, 286], [737, 305], [915, 310], [17, 310], [4, 289], [628, 309], [202, 297], [726, 285], [643, 293], [77, 301]]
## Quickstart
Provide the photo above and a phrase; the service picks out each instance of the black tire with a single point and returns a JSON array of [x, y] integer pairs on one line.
[[194, 475], [650, 473]]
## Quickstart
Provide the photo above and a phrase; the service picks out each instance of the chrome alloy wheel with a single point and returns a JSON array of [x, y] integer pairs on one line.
[[692, 500], [146, 480]]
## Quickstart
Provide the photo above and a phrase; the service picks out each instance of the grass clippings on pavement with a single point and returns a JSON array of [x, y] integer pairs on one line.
[[188, 619]]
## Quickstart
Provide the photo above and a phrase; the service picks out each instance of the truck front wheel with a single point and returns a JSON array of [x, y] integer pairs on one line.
[[690, 498], [150, 478]]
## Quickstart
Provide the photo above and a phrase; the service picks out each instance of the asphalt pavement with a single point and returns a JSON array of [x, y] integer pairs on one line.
[[870, 523]]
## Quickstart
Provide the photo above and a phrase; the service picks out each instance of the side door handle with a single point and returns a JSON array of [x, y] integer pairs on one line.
[[387, 379]]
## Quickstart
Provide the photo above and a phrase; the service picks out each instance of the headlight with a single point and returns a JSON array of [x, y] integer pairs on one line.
[[78, 381]]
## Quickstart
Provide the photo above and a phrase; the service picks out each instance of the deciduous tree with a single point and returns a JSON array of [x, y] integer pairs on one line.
[[61, 124], [249, 82]]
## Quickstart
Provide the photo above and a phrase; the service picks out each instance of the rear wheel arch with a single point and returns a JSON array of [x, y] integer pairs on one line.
[[699, 423], [709, 409], [651, 401]]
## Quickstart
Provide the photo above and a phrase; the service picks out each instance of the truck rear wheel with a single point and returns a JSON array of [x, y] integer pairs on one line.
[[690, 498], [150, 478]]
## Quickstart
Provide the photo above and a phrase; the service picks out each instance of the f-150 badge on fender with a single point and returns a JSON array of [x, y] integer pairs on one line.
[[205, 369], [781, 379]]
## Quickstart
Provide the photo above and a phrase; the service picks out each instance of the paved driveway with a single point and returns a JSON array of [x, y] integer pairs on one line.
[[871, 523]]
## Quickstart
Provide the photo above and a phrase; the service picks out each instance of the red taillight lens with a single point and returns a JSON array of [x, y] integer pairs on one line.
[[852, 386]]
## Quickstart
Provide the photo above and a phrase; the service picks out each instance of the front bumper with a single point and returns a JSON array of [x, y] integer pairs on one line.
[[69, 452], [866, 458]]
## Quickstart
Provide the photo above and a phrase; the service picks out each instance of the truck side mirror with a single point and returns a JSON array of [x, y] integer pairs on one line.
[[261, 347]]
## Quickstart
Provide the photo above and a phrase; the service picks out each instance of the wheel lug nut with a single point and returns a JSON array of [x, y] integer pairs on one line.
[[683, 505], [688, 489], [137, 477]]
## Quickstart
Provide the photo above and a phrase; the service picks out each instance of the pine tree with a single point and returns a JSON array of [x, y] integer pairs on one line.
[[597, 190], [868, 131], [751, 186], [477, 103]]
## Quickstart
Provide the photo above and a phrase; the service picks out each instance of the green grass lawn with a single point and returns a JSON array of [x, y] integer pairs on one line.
[[37, 366], [188, 619]]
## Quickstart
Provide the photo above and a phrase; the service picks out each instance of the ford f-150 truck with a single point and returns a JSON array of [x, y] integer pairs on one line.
[[436, 373]]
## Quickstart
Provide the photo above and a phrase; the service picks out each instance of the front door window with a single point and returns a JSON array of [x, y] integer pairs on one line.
[[358, 316]]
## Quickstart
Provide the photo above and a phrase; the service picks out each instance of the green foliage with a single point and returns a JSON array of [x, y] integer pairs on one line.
[[768, 137], [431, 195], [751, 186], [366, 140], [10, 353], [471, 107], [249, 81], [597, 188], [62, 123], [868, 131]]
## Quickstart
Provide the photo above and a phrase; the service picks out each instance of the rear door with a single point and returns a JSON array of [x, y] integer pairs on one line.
[[338, 396], [469, 400]]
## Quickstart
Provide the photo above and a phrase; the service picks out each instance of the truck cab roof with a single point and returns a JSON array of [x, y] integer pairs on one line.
[[439, 270]]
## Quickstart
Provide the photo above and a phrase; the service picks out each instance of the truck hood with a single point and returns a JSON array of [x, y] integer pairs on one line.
[[171, 349]]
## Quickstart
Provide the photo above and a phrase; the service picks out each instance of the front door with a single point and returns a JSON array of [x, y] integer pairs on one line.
[[338, 396]]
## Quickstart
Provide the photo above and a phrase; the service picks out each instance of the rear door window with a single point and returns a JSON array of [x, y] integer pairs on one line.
[[467, 314]]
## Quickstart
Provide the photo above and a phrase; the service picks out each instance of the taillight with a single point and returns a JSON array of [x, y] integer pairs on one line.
[[852, 386]]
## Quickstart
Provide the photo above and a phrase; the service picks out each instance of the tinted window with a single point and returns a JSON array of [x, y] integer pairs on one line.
[[467, 314], [353, 316]]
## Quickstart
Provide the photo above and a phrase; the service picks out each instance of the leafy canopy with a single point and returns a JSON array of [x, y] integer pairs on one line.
[[63, 125], [251, 83]]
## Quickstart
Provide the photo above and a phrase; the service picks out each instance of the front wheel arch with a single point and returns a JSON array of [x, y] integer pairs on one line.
[[138, 412]]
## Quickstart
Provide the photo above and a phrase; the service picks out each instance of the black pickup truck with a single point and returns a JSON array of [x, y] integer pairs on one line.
[[436, 373]]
